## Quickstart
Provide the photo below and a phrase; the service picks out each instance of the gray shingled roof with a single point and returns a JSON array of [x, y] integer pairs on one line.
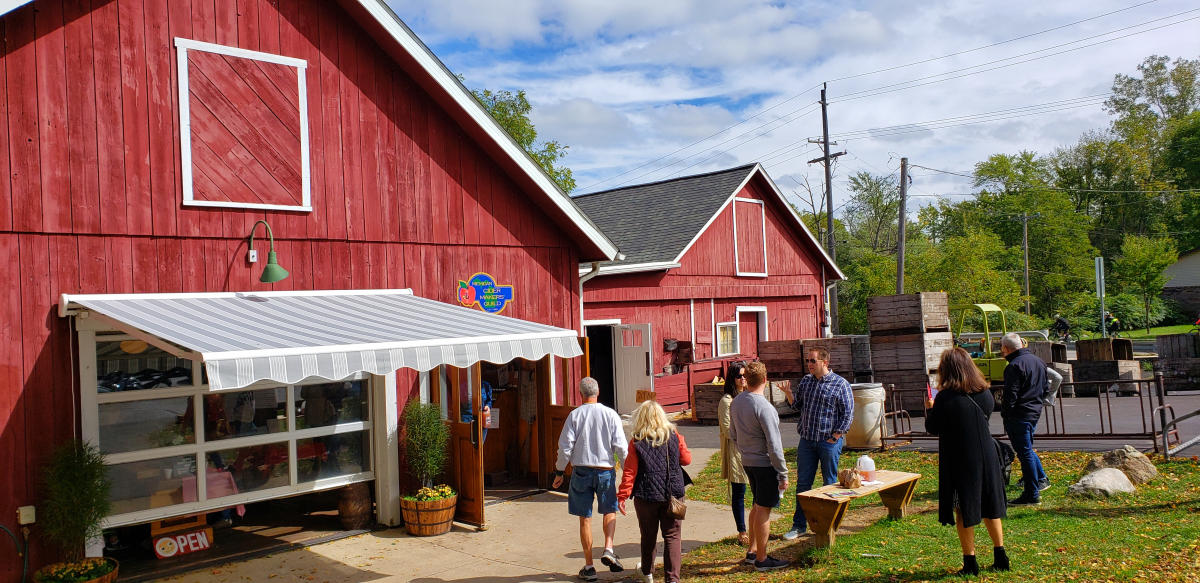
[[654, 222]]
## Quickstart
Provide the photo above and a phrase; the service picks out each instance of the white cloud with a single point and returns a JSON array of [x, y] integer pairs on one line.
[[625, 82]]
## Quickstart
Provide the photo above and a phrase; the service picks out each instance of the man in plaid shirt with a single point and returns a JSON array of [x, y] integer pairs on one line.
[[826, 406]]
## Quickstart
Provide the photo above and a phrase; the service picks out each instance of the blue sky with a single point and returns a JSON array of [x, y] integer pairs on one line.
[[644, 91]]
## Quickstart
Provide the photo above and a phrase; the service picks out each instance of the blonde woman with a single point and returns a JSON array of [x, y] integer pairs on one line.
[[731, 458], [653, 473]]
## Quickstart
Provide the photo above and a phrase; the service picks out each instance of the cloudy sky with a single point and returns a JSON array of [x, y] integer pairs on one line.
[[647, 90]]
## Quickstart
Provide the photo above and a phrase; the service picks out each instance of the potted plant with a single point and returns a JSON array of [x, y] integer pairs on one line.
[[76, 500], [426, 439]]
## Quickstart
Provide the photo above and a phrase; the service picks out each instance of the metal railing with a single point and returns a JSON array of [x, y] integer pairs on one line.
[[1156, 420]]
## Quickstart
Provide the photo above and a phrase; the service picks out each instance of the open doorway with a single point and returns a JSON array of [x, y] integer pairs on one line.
[[511, 441], [600, 348]]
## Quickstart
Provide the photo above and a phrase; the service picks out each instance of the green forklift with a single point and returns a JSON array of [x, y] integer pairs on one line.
[[988, 360]]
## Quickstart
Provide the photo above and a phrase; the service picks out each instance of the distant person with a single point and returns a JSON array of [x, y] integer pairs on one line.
[[970, 479], [1021, 406], [1061, 327], [731, 459], [826, 405], [755, 431], [591, 438], [652, 474]]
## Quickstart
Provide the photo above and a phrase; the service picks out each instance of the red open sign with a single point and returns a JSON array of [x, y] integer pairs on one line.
[[182, 543]]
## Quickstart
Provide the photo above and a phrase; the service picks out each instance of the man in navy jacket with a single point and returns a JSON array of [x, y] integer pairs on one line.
[[1021, 407]]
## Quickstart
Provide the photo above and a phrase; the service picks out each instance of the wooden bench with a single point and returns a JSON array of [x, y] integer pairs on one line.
[[824, 513]]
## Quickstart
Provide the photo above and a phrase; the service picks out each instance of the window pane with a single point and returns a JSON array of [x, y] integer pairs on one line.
[[146, 424], [326, 404], [465, 394], [727, 338], [250, 468], [444, 392], [152, 483], [241, 413], [332, 455], [133, 365]]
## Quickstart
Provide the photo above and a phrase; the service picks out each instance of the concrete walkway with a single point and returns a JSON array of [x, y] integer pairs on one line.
[[531, 539]]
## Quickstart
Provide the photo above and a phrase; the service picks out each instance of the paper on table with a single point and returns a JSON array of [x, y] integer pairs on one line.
[[873, 483]]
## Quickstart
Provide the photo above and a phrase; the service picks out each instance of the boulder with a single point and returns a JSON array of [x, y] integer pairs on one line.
[[1137, 467], [1102, 483]]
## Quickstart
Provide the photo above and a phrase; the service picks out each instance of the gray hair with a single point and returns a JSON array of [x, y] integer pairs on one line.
[[1013, 341], [588, 387]]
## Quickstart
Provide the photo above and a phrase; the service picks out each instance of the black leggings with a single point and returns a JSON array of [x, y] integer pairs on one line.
[[738, 501]]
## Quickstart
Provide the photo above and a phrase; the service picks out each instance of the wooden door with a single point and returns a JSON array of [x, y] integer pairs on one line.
[[632, 364], [748, 333], [460, 388], [552, 416]]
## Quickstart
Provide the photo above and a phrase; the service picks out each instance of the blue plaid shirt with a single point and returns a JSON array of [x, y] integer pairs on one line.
[[826, 406]]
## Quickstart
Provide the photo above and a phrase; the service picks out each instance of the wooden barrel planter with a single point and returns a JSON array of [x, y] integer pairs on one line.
[[428, 517], [355, 506]]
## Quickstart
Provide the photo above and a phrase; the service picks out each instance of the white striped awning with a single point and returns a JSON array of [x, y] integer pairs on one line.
[[288, 336]]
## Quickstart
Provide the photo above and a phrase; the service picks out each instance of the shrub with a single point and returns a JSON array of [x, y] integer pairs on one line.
[[76, 500], [426, 442]]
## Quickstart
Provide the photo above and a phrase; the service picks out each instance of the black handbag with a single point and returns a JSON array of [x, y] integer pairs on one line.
[[1004, 452]]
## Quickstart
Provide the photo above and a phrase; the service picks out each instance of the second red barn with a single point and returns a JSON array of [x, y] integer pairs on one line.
[[718, 260]]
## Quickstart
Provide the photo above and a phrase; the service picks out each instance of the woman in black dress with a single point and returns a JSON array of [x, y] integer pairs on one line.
[[970, 483]]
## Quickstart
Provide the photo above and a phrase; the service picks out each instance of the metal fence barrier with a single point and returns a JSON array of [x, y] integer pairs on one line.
[[1156, 422]]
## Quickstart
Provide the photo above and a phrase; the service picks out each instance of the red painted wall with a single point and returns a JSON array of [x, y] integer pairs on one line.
[[706, 281], [90, 194]]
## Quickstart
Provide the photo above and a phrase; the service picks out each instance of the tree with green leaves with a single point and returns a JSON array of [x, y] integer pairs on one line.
[[511, 111], [1141, 268]]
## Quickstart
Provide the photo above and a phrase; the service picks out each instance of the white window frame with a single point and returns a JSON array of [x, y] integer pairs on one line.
[[763, 333], [185, 123], [736, 260], [90, 400], [737, 340]]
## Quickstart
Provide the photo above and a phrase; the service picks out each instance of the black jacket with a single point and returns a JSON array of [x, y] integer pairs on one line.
[[969, 473], [1024, 384]]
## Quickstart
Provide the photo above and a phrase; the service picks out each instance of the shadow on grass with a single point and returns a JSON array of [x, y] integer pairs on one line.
[[1118, 511]]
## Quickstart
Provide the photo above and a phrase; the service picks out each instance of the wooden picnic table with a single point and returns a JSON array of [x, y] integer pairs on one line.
[[824, 512]]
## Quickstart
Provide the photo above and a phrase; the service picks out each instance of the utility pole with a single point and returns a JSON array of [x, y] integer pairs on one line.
[[827, 159], [1025, 246], [903, 219]]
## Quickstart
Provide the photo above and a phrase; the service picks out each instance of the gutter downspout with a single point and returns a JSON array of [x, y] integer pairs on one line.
[[583, 279], [828, 331]]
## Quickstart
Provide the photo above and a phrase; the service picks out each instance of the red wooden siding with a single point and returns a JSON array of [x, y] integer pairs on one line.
[[91, 192], [707, 280], [245, 122], [751, 254]]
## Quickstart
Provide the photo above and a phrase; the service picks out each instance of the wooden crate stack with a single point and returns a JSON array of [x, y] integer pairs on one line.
[[909, 332], [1178, 360], [784, 358], [1104, 359]]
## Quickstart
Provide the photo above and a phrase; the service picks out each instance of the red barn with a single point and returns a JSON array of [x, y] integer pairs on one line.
[[720, 260], [141, 142]]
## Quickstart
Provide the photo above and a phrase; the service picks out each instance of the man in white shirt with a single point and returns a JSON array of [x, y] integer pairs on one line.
[[590, 440]]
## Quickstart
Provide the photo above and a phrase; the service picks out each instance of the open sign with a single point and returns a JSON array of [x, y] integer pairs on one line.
[[182, 543]]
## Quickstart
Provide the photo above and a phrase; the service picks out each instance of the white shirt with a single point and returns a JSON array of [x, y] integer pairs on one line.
[[590, 436]]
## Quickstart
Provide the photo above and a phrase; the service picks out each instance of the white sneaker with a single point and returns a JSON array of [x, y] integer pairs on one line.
[[648, 578], [791, 534]]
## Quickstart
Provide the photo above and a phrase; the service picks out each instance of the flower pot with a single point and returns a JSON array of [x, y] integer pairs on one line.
[[58, 572], [428, 517]]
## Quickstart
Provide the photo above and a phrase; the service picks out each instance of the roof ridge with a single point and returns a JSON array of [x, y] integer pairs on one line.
[[664, 181]]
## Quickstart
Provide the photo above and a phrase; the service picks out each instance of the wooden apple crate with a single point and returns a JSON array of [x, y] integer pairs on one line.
[[1106, 370], [1049, 352], [1104, 349], [908, 313], [1177, 346], [909, 351]]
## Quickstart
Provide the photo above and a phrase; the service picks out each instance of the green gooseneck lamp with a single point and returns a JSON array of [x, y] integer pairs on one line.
[[272, 272]]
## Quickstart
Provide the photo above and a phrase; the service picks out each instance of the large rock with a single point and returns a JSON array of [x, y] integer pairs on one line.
[[1102, 483], [1137, 467]]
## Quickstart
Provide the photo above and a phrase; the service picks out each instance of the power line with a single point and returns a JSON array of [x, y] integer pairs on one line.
[[999, 115], [995, 44], [910, 84]]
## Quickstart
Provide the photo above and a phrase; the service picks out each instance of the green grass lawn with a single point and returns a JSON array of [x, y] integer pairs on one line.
[[1153, 535], [1141, 332]]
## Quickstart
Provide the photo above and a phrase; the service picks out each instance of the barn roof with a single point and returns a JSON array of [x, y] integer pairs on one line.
[[654, 224], [431, 74]]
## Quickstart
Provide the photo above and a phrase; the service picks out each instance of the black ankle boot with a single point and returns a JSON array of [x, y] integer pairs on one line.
[[970, 566], [1001, 557]]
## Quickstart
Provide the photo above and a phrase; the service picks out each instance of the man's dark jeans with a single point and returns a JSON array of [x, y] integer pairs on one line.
[[1020, 433]]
